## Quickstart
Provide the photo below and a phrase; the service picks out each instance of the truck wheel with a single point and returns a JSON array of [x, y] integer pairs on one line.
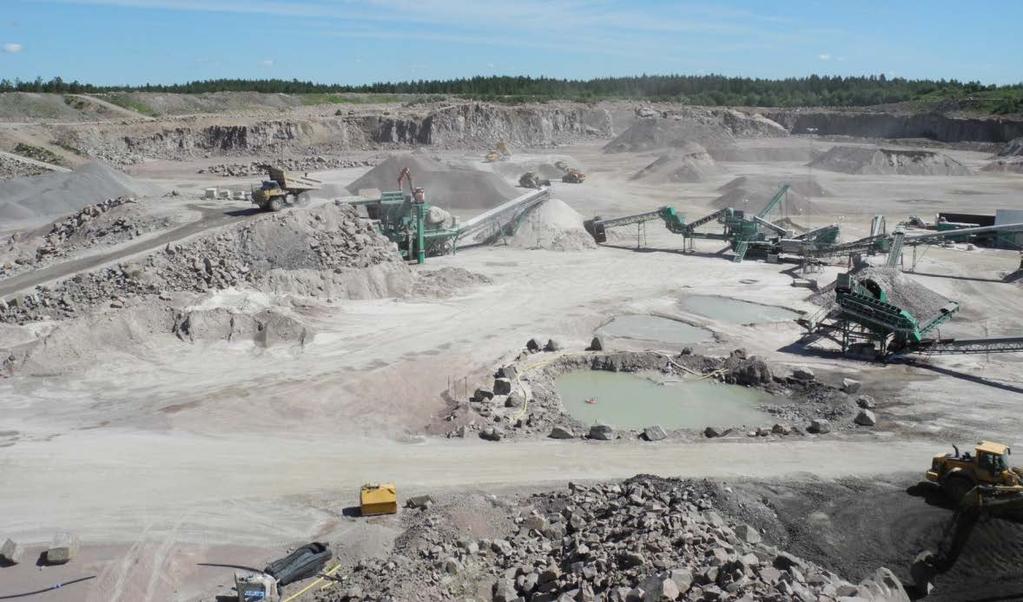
[[276, 204], [956, 488]]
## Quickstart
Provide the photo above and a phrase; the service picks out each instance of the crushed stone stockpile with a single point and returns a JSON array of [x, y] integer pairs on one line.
[[55, 194], [711, 128], [325, 251], [753, 193], [553, 226], [922, 302], [447, 187], [889, 161], [644, 539], [690, 163]]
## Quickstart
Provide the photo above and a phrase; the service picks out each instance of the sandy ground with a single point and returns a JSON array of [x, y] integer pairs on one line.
[[162, 458]]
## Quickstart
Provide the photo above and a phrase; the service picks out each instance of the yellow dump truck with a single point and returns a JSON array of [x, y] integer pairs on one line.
[[376, 499], [275, 192]]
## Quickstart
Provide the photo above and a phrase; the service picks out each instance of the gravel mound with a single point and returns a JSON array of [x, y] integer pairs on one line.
[[752, 194], [691, 163], [447, 187], [655, 134], [59, 193], [646, 538], [325, 251], [712, 128], [889, 161], [446, 282], [553, 226]]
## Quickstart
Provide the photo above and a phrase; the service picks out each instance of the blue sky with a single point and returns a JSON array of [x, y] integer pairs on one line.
[[353, 41]]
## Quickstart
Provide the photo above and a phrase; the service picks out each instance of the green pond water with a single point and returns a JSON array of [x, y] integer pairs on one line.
[[654, 328], [735, 311], [631, 401]]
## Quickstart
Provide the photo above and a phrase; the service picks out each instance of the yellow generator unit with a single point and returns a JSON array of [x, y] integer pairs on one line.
[[376, 499]]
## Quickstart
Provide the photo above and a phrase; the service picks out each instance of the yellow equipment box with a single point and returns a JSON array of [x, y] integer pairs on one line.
[[378, 499]]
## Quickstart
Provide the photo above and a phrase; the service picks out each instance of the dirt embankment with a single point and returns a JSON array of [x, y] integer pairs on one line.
[[875, 124]]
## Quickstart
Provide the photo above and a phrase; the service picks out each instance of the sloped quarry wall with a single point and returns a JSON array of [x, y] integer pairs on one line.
[[471, 125], [864, 124]]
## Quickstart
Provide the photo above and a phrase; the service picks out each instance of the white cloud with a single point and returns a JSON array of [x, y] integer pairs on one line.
[[267, 62], [824, 56], [12, 48]]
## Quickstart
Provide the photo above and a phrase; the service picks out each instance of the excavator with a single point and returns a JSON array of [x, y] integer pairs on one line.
[[982, 486]]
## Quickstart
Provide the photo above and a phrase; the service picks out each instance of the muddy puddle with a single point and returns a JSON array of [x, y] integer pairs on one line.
[[655, 329], [632, 401], [735, 311]]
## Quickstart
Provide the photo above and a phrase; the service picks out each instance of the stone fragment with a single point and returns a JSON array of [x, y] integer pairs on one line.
[[11, 552], [747, 534], [819, 426], [419, 501], [866, 402], [491, 434], [597, 344], [654, 433], [553, 345], [561, 432], [502, 386], [850, 385], [602, 432], [803, 374], [63, 549], [865, 418]]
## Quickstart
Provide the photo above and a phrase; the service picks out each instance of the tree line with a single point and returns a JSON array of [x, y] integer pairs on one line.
[[814, 90]]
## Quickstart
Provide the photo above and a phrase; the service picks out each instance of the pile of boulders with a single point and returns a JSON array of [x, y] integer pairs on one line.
[[63, 230], [522, 399], [645, 539], [299, 164], [316, 250], [12, 168]]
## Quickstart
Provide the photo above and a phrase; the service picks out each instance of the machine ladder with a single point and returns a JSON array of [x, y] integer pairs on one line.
[[740, 251]]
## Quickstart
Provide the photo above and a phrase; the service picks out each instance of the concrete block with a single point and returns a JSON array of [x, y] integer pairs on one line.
[[63, 549]]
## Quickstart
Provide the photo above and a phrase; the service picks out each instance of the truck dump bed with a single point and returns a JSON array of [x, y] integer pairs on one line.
[[290, 181]]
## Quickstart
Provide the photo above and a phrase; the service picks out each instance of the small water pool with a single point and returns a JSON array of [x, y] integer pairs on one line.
[[631, 401], [735, 311], [655, 328]]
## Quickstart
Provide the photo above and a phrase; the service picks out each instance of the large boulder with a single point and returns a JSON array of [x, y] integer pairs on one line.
[[602, 432], [865, 418], [561, 432], [654, 433]]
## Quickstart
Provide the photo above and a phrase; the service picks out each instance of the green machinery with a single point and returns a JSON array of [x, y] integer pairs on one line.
[[866, 312], [421, 230], [747, 236], [416, 227]]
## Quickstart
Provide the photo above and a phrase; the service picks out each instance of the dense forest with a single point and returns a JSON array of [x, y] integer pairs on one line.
[[717, 90]]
